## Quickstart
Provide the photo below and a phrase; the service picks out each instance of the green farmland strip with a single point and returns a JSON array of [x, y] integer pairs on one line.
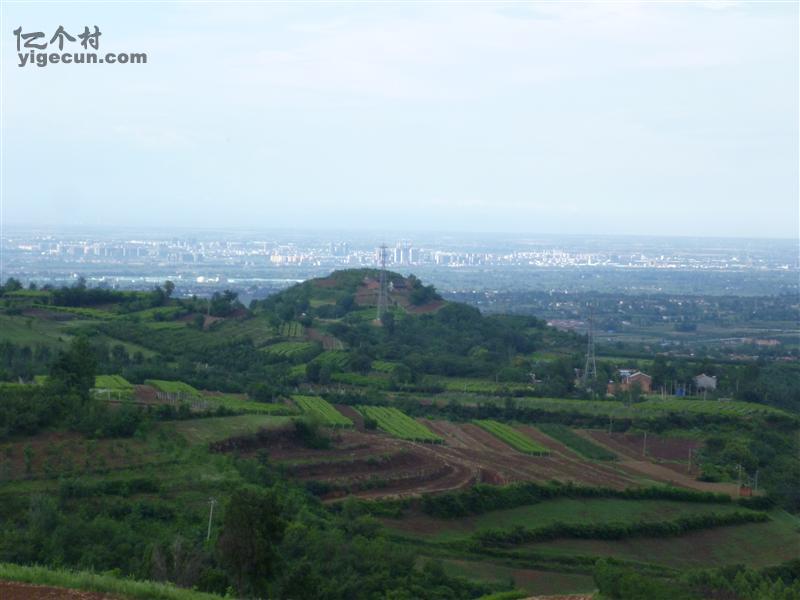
[[398, 424], [512, 437], [112, 382], [322, 409], [572, 440], [172, 387]]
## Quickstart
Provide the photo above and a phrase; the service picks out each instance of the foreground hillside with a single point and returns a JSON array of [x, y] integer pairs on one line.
[[302, 447]]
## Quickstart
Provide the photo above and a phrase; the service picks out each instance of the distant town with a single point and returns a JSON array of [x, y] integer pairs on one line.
[[262, 263]]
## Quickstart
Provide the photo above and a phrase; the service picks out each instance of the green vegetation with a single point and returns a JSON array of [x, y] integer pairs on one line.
[[109, 486], [575, 442], [512, 437], [94, 582], [206, 431], [398, 424], [323, 410], [172, 387], [292, 351], [237, 404], [112, 382]]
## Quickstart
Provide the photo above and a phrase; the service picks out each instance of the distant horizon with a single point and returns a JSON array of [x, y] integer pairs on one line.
[[150, 230]]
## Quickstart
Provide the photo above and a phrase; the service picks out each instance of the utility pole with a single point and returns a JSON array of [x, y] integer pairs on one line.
[[590, 369], [739, 481], [212, 502], [644, 445]]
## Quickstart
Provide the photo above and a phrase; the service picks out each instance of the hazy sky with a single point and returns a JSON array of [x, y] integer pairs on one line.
[[676, 119]]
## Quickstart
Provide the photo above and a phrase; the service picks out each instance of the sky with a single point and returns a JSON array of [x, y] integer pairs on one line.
[[569, 118]]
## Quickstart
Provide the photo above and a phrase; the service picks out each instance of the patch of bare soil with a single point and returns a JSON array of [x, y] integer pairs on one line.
[[12, 590]]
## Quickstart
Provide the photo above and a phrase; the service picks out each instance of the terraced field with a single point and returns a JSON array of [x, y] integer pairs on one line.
[[323, 410], [512, 437], [398, 424], [172, 387]]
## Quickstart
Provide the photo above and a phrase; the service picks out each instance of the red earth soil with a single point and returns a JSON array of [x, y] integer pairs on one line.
[[633, 461], [12, 590], [372, 464]]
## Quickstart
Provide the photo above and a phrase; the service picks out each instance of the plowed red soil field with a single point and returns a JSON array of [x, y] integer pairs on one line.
[[371, 464], [12, 590]]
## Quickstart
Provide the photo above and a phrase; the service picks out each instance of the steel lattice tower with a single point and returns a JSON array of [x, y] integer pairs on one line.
[[590, 369], [383, 293]]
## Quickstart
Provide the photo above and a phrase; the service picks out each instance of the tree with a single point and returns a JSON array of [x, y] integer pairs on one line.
[[169, 287], [12, 285], [251, 531], [73, 371]]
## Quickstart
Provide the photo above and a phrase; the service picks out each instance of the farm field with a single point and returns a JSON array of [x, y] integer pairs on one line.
[[112, 382], [322, 409], [535, 582], [240, 403], [575, 442], [760, 544], [512, 437], [172, 387], [205, 431], [399, 424], [563, 510], [375, 465], [290, 350]]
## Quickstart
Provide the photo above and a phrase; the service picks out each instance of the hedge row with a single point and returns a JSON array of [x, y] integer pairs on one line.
[[615, 531]]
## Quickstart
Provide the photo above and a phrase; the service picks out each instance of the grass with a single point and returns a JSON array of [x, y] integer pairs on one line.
[[324, 410], [398, 424], [564, 510], [572, 440], [30, 331], [512, 437], [532, 581], [753, 544], [248, 406], [476, 386], [112, 382], [93, 582], [206, 431]]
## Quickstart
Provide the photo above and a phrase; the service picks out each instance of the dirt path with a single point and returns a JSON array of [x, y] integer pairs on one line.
[[13, 590]]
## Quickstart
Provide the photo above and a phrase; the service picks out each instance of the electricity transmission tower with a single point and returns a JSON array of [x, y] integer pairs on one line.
[[383, 293], [590, 369]]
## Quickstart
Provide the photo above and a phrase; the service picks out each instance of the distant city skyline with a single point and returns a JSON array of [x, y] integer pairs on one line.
[[540, 119]]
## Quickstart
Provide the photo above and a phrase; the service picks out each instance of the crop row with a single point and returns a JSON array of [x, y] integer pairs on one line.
[[398, 424], [512, 437], [572, 440], [289, 349], [112, 382], [172, 387], [323, 409], [291, 329]]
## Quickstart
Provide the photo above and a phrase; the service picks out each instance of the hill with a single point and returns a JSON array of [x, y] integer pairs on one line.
[[436, 453]]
